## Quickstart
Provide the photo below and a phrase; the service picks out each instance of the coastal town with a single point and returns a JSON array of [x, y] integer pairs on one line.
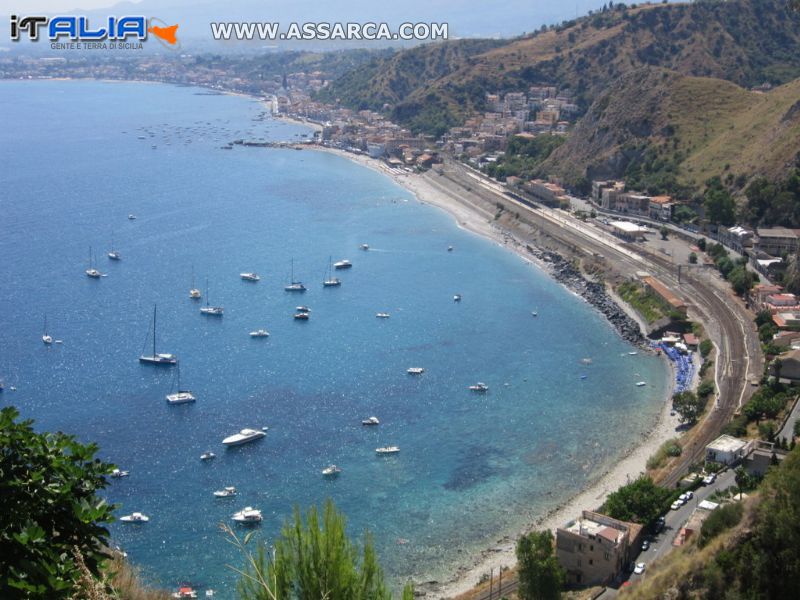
[[717, 298]]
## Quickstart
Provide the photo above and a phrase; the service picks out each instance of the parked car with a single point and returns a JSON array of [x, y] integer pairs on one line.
[[640, 567], [689, 495], [660, 523], [645, 545], [677, 504], [709, 479]]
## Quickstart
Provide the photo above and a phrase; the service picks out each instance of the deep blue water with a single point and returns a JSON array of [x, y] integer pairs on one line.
[[472, 467]]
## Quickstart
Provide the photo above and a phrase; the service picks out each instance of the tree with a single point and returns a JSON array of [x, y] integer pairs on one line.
[[701, 244], [692, 258], [688, 406], [705, 348], [719, 204], [540, 575], [641, 501], [52, 518], [742, 480], [313, 560], [664, 232]]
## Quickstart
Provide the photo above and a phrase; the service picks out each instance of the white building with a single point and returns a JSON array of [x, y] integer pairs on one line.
[[726, 450]]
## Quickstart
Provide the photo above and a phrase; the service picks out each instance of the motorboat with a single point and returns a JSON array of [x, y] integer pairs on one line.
[[449, 248], [641, 383], [227, 492], [157, 358], [342, 264], [331, 471], [136, 517], [181, 397], [131, 217], [185, 591], [117, 473], [479, 387], [250, 276], [259, 333], [388, 450], [371, 421], [247, 515], [243, 437], [301, 316], [534, 313], [632, 353], [382, 315], [207, 455], [415, 370], [303, 309], [365, 246], [457, 298]]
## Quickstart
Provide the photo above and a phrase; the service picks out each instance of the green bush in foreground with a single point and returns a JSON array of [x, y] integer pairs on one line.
[[313, 560], [719, 520], [540, 575], [50, 513]]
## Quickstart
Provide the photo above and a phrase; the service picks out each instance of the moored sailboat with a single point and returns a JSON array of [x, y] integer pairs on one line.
[[157, 358]]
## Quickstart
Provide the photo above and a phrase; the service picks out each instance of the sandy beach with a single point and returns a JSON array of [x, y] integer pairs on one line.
[[631, 465]]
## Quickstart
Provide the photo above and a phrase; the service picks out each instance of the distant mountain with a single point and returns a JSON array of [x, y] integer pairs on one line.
[[634, 71]]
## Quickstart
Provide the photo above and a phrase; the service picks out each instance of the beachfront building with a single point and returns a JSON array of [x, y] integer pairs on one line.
[[595, 548], [661, 291], [726, 450]]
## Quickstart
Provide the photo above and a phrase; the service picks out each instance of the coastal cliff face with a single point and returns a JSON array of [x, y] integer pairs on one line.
[[658, 84]]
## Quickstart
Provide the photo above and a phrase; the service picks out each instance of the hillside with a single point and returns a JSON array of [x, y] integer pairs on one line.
[[685, 65]]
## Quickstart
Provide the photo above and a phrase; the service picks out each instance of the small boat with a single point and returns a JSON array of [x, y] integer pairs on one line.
[[371, 421], [250, 276], [293, 285], [185, 591], [244, 436], [226, 492], [641, 383], [207, 455], [180, 396], [331, 471], [584, 376], [303, 309], [330, 280], [117, 473], [534, 313], [449, 248], [194, 293], [632, 353], [113, 254], [91, 271], [342, 264], [211, 311], [46, 337], [382, 315], [365, 246], [259, 333], [479, 387], [247, 515], [457, 298], [301, 316], [415, 370], [388, 450], [157, 358], [131, 217], [136, 517]]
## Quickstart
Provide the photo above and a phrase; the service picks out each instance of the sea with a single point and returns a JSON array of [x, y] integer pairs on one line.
[[79, 157]]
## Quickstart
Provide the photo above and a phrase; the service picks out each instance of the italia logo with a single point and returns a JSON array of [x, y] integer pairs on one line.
[[78, 29]]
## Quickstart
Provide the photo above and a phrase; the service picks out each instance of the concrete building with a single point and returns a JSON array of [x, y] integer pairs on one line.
[[726, 450], [777, 240], [665, 294], [789, 370], [762, 457], [548, 194], [627, 231], [661, 208], [594, 549]]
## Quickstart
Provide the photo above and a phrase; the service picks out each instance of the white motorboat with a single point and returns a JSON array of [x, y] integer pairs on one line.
[[46, 337], [259, 333], [342, 264], [301, 316], [243, 437], [136, 517], [250, 276], [304, 309], [449, 248], [131, 217], [247, 515], [117, 473], [457, 298], [371, 421], [382, 315], [415, 370], [331, 471], [157, 358], [479, 387], [534, 313], [632, 353], [365, 246], [388, 450], [226, 492], [207, 455], [641, 383]]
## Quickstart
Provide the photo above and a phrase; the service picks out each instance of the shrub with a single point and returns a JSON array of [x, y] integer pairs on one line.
[[719, 520]]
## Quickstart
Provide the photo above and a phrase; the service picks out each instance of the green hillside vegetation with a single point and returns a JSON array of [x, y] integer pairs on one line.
[[743, 553]]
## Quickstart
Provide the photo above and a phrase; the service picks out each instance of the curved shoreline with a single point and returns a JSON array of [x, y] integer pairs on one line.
[[630, 464]]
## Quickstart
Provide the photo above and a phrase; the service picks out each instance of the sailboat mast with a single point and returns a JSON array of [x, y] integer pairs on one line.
[[154, 329]]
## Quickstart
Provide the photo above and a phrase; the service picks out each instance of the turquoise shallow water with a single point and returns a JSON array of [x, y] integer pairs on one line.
[[471, 468]]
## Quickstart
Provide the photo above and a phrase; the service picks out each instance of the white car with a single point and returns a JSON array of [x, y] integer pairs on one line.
[[640, 567], [709, 479], [677, 504]]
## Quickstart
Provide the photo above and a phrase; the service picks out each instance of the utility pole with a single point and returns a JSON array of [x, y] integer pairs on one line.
[[491, 582]]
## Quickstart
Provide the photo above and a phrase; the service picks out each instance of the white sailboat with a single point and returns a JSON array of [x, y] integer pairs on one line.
[[294, 286], [212, 311], [330, 280], [155, 358], [180, 396], [46, 337], [194, 293], [113, 254], [92, 271]]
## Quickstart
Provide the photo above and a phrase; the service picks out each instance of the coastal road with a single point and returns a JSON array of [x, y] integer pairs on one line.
[[725, 319]]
